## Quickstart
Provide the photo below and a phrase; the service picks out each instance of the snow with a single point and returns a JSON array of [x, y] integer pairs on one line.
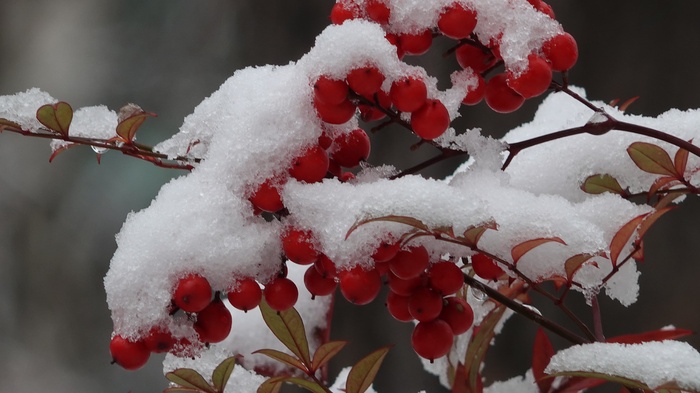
[[653, 363], [21, 107]]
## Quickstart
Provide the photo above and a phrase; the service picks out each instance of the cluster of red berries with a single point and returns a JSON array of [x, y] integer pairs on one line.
[[503, 92]]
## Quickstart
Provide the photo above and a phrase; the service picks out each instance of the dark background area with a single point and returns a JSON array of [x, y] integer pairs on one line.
[[57, 221]]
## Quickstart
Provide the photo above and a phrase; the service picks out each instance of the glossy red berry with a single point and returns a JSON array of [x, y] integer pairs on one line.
[[476, 94], [534, 80], [192, 293], [397, 306], [416, 44], [298, 246], [386, 251], [366, 80], [378, 11], [281, 294], [457, 21], [410, 263], [360, 286], [424, 304], [159, 340], [311, 166], [445, 277], [350, 148], [326, 267], [374, 112], [317, 284], [408, 94], [546, 9], [335, 114], [561, 51], [396, 41], [485, 267], [246, 295], [430, 120], [458, 314], [267, 197], [213, 323], [500, 97], [330, 91], [432, 340], [131, 355], [341, 12], [405, 287], [479, 59]]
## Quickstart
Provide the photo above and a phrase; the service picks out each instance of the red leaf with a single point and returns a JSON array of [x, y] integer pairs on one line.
[[60, 150], [473, 234], [574, 263], [623, 236], [680, 161], [521, 249], [627, 103], [651, 219], [651, 158], [661, 183], [459, 384], [669, 198], [325, 352], [654, 335], [541, 355]]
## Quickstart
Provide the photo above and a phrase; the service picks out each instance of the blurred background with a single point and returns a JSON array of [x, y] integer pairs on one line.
[[58, 221]]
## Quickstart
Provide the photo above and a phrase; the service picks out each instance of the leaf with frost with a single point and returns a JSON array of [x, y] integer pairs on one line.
[[414, 222], [651, 158], [288, 327], [523, 248], [56, 117], [598, 184], [364, 371]]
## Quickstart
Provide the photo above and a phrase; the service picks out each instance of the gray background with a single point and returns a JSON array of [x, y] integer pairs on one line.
[[57, 221]]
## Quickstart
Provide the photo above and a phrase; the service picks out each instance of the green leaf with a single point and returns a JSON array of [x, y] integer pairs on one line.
[[523, 248], [272, 385], [189, 378], [363, 372], [414, 222], [479, 344], [598, 184], [325, 352], [56, 117], [283, 357], [288, 327], [130, 119], [651, 158], [306, 384], [222, 372], [623, 236]]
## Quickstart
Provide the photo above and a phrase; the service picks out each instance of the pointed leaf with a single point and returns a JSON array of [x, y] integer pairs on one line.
[[325, 352], [222, 373], [288, 327], [414, 222], [474, 233], [459, 384], [272, 385], [363, 372], [60, 150], [651, 219], [306, 384], [627, 103], [282, 357], [127, 128], [190, 379], [598, 184], [630, 383], [651, 158], [521, 249], [661, 183], [541, 355], [623, 236], [655, 335], [680, 161], [56, 117], [576, 262]]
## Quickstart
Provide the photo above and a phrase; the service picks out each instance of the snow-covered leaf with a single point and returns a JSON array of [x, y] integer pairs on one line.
[[400, 219]]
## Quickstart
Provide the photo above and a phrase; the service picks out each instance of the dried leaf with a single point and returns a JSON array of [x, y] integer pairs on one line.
[[598, 184], [272, 385], [414, 222], [222, 373], [131, 117], [189, 378], [680, 161], [363, 372], [282, 357], [655, 335], [325, 352], [623, 236], [651, 158], [288, 327], [575, 262], [541, 355], [521, 249], [56, 117]]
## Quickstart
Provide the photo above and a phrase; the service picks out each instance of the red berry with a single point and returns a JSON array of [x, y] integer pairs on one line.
[[396, 41], [324, 140], [416, 44], [378, 11], [476, 94], [410, 263], [408, 94], [159, 340], [330, 91], [311, 166], [246, 296], [546, 9], [360, 286], [366, 80], [405, 287], [479, 59], [398, 307], [382, 268], [192, 293], [317, 284], [299, 247], [131, 355], [373, 112], [281, 294], [267, 197], [457, 21], [341, 12], [534, 81], [432, 340], [561, 51], [430, 120], [424, 304], [445, 277], [485, 267], [335, 114], [500, 97], [458, 314], [386, 251], [351, 148], [214, 322], [326, 267]]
